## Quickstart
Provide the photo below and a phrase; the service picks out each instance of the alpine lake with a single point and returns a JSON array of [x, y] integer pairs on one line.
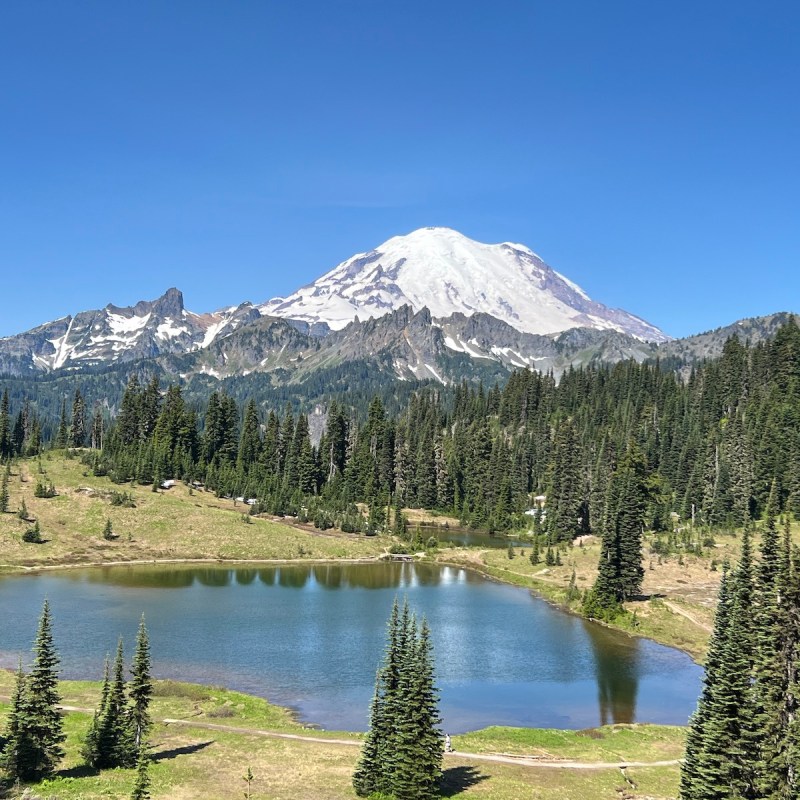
[[311, 637]]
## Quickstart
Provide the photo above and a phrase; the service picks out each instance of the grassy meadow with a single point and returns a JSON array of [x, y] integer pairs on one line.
[[168, 524], [192, 761], [198, 763]]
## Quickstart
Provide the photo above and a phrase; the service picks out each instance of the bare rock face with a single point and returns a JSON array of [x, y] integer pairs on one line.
[[114, 334]]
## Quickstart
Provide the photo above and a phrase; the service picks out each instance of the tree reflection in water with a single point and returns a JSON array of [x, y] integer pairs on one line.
[[617, 667]]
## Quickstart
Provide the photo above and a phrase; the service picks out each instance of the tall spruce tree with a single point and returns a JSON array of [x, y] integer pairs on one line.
[[77, 429], [15, 747], [141, 786], [4, 493], [402, 753], [110, 741], [36, 733], [140, 688], [743, 740]]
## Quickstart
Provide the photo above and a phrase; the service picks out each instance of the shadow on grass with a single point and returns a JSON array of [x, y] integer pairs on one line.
[[79, 771], [165, 755], [458, 779]]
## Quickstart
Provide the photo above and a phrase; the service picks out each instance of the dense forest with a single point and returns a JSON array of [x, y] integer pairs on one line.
[[707, 445]]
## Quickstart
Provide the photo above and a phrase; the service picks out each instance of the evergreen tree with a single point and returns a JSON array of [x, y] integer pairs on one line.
[[15, 754], [402, 753], [77, 429], [36, 730], [140, 690], [141, 787], [4, 493], [6, 446], [62, 437], [743, 740], [620, 570], [89, 750], [112, 736]]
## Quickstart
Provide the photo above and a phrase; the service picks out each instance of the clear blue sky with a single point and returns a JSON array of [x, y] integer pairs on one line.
[[650, 151]]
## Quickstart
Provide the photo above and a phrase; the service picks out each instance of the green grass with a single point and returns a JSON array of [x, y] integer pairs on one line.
[[190, 762], [610, 743], [171, 524]]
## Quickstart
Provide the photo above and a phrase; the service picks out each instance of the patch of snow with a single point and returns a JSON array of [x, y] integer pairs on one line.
[[446, 272], [63, 351], [168, 330], [452, 344], [212, 331], [512, 356], [121, 325], [436, 375]]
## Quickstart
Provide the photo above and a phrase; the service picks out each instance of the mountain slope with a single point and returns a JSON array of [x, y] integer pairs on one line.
[[444, 271], [114, 334]]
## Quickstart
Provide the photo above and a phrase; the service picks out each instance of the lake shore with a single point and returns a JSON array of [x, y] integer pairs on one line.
[[205, 738], [185, 526]]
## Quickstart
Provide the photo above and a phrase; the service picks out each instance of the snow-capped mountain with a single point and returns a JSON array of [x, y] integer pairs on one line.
[[111, 334], [444, 271]]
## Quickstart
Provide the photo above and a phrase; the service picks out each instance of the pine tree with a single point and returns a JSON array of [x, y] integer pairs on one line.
[[140, 689], [15, 753], [141, 787], [113, 737], [4, 493], [402, 753], [77, 430], [89, 750], [36, 728], [744, 739], [62, 437]]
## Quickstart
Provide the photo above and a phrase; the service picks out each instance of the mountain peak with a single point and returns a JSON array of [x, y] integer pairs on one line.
[[442, 269]]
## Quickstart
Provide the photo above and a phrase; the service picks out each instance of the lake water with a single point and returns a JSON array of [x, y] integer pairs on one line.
[[312, 636]]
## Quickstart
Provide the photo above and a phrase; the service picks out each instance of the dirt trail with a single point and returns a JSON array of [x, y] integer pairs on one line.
[[676, 609], [527, 761], [502, 758]]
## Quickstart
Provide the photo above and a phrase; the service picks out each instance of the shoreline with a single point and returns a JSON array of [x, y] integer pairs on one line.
[[483, 570]]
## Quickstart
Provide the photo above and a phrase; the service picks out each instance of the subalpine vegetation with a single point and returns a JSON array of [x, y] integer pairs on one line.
[[744, 739], [709, 443], [402, 753], [32, 746]]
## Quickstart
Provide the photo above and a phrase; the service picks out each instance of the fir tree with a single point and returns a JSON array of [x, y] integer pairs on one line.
[[89, 750], [36, 730], [6, 445], [112, 737], [402, 753], [62, 437], [140, 690], [141, 787], [77, 429], [4, 493], [15, 755]]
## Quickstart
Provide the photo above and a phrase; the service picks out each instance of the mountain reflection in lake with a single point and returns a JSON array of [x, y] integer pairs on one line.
[[311, 636]]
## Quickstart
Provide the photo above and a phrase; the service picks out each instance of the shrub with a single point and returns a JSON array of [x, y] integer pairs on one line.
[[122, 499], [33, 535]]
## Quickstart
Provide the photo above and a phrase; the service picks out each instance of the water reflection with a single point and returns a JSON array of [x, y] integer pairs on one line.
[[244, 577], [373, 575], [617, 667], [466, 537], [311, 636]]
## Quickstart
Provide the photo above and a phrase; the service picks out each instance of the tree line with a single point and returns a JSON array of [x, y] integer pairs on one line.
[[709, 445], [744, 738]]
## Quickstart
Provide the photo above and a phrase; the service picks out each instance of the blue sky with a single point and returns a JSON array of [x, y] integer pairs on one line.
[[237, 150]]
